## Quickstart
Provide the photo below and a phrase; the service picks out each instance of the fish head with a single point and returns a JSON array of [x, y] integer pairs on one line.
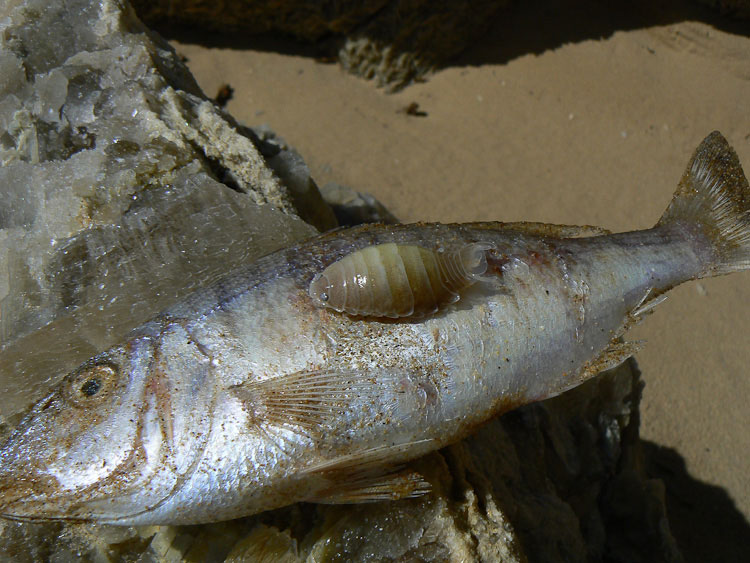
[[83, 445]]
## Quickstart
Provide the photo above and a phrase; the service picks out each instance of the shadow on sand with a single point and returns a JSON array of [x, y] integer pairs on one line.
[[704, 520], [523, 27], [536, 26]]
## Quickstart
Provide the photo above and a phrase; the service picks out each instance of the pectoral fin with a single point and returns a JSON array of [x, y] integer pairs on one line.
[[304, 398], [308, 402]]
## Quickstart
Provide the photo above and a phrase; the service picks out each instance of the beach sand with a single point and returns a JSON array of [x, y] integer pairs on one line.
[[548, 120]]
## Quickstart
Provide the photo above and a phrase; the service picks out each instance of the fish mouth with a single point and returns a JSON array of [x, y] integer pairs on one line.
[[33, 516], [17, 487], [60, 508], [22, 503], [22, 500], [32, 497]]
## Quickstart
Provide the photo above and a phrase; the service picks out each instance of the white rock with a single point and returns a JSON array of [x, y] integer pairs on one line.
[[111, 162]]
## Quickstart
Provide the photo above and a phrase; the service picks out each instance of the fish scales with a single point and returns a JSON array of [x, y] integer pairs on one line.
[[251, 394]]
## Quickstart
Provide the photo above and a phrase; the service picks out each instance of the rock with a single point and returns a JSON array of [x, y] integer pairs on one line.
[[739, 9], [393, 42], [408, 39], [354, 208], [308, 21], [290, 167], [112, 160], [555, 481]]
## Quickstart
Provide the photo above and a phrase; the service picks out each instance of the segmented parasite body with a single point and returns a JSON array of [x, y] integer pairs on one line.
[[398, 280], [285, 381]]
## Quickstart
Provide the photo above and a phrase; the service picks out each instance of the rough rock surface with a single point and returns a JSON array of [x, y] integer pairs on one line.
[[354, 208], [115, 172], [112, 165], [303, 19], [734, 8], [393, 42]]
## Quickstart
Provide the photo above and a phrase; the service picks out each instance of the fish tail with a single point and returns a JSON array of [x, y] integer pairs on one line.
[[713, 198]]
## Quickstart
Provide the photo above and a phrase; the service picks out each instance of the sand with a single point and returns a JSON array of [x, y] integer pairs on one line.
[[548, 121]]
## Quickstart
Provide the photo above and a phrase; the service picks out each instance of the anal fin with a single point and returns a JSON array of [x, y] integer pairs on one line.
[[612, 356]]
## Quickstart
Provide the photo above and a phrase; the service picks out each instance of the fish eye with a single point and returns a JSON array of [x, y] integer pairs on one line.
[[91, 387], [92, 382]]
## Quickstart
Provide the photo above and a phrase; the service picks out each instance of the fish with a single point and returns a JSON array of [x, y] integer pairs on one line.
[[254, 393]]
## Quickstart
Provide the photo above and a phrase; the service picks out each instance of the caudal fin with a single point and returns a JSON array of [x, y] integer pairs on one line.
[[714, 196]]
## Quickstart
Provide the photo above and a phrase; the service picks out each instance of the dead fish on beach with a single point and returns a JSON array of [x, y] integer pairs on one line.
[[315, 373]]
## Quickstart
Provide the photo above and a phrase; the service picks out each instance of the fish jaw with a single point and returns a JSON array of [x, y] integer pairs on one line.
[[25, 486], [77, 445], [119, 438]]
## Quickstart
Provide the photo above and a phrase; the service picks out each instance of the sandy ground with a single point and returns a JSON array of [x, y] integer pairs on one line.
[[546, 120]]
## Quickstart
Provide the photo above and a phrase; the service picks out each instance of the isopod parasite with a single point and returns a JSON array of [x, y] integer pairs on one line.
[[398, 280]]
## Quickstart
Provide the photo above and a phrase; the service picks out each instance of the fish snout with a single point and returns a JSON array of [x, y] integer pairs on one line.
[[24, 489], [13, 492]]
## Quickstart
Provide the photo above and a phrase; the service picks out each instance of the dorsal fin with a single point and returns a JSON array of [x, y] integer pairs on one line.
[[543, 229]]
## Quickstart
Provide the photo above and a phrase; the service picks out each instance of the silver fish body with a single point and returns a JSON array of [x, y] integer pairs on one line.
[[250, 395]]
